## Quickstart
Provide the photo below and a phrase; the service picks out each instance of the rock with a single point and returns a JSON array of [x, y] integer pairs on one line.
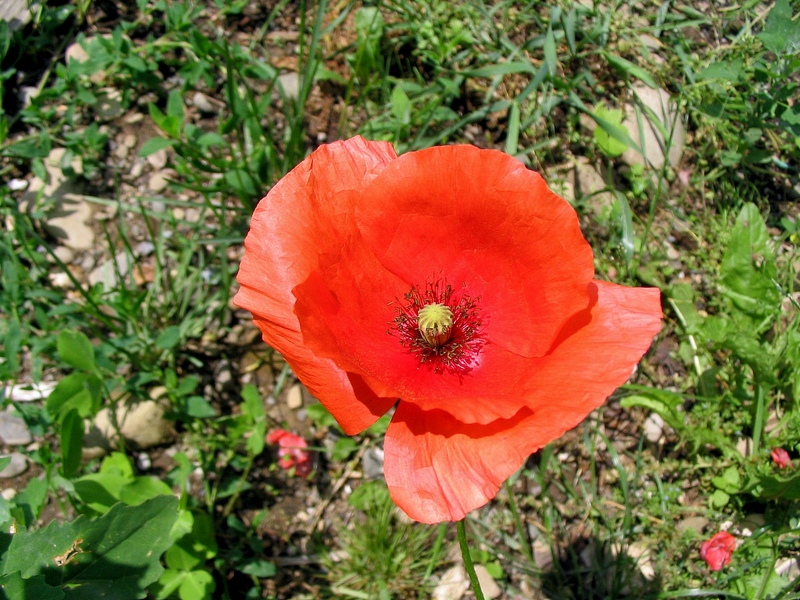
[[14, 431], [641, 555], [157, 183], [68, 221], [64, 254], [158, 159], [294, 396], [373, 463], [290, 84], [16, 13], [76, 52], [203, 104], [788, 568], [652, 104], [654, 428], [109, 104], [17, 466], [143, 425], [28, 392], [590, 187], [697, 524], [542, 555], [8, 493], [109, 273], [489, 586], [452, 585], [17, 185]]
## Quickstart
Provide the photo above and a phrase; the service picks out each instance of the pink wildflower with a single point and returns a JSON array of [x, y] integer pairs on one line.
[[718, 550], [781, 458], [292, 451]]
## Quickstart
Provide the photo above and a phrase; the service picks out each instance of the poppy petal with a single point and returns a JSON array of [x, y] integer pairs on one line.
[[311, 206], [439, 468], [482, 219]]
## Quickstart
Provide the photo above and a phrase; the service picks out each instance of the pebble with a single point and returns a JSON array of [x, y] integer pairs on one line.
[[697, 524], [17, 466], [489, 586], [8, 493], [373, 463], [660, 103], [654, 428], [158, 160], [203, 103], [14, 431], [17, 185], [64, 254], [452, 585], [157, 183], [294, 397], [109, 104]]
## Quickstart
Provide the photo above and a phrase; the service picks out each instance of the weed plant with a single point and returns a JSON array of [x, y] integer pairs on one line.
[[227, 96]]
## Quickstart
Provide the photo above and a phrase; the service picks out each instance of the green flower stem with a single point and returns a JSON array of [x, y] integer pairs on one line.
[[473, 576], [523, 535]]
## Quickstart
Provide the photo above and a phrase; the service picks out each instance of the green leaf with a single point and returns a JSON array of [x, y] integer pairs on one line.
[[610, 132], [114, 557], [259, 568], [143, 489], [199, 408], [401, 105], [781, 34], [155, 144], [197, 585], [75, 349], [168, 338], [512, 135], [101, 491], [343, 448], [748, 267], [730, 481], [14, 587], [550, 56], [631, 69], [71, 443], [77, 391], [196, 547]]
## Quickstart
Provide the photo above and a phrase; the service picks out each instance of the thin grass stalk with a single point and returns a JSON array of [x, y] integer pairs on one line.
[[523, 535]]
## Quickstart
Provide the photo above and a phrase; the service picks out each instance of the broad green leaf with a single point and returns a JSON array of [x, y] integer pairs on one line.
[[155, 144], [260, 568], [114, 557], [199, 408], [550, 56], [75, 349], [14, 587], [197, 585], [101, 491], [748, 267], [781, 34], [196, 547], [143, 489], [610, 133], [71, 443], [77, 391], [168, 338], [401, 105], [343, 448]]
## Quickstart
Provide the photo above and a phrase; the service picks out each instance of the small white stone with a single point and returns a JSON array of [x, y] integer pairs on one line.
[[489, 586], [17, 185], [294, 397], [452, 585], [654, 428]]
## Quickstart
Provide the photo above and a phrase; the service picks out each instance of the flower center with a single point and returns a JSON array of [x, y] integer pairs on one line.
[[435, 322], [441, 326]]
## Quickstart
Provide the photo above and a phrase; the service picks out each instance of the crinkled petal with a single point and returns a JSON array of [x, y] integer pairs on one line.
[[311, 207], [480, 218], [439, 468]]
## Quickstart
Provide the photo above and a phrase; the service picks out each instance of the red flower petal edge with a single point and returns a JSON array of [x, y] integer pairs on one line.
[[718, 550], [453, 281]]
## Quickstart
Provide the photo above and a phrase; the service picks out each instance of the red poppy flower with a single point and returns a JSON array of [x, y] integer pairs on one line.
[[292, 451], [453, 280], [781, 458], [718, 550]]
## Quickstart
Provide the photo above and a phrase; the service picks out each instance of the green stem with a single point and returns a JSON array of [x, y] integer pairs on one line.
[[473, 576], [758, 426], [523, 535]]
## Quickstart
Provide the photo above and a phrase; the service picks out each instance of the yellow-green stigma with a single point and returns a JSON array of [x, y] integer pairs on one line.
[[435, 322]]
